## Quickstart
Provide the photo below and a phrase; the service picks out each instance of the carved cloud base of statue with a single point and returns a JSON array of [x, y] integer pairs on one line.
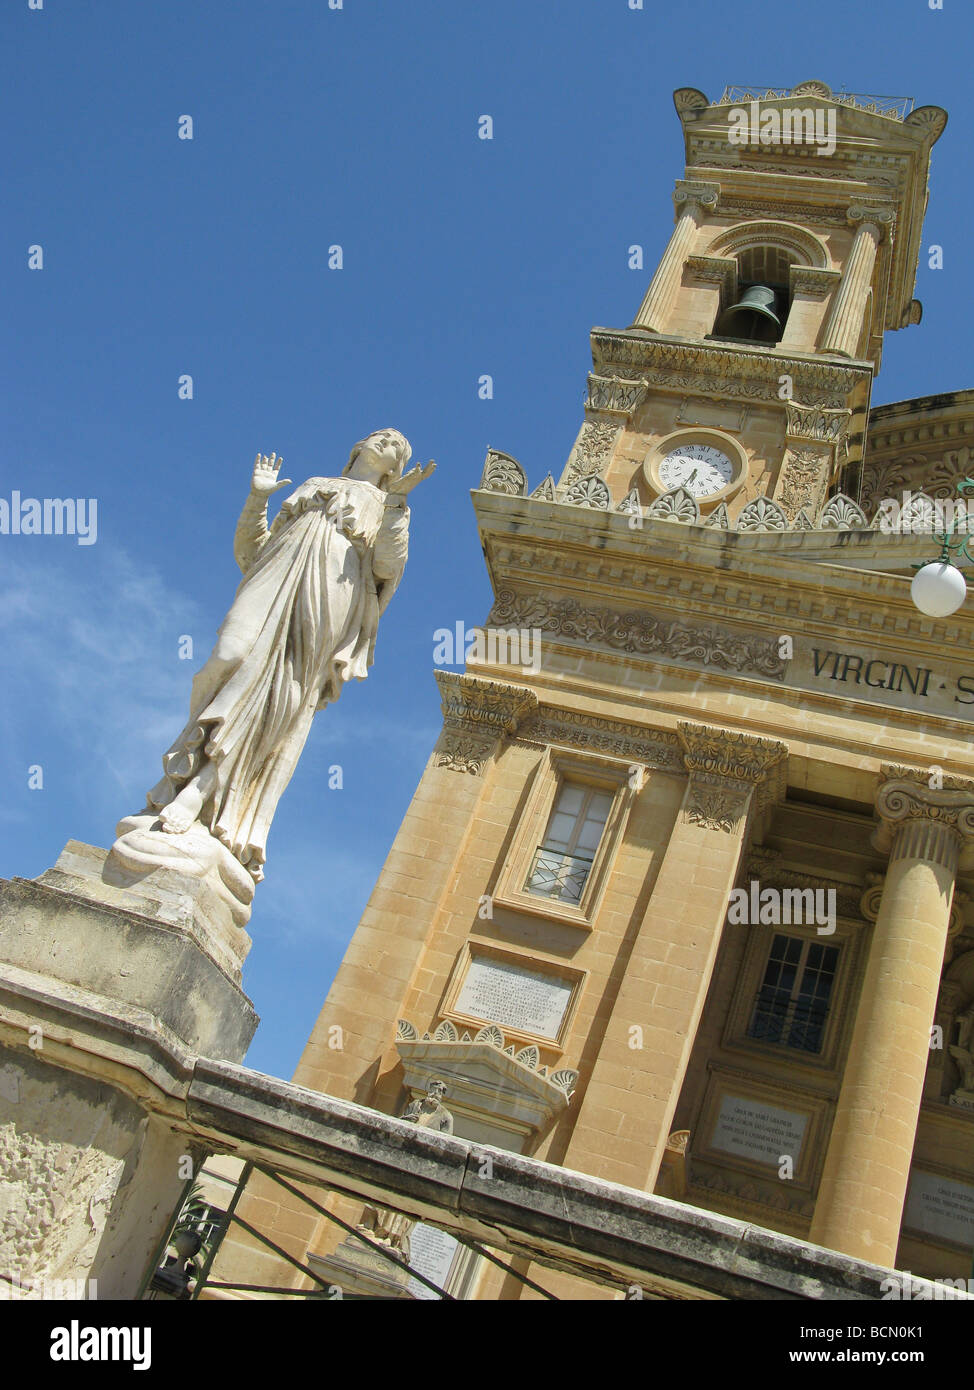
[[141, 847]]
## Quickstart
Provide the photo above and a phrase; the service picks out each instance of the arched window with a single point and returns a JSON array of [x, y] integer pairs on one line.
[[765, 253]]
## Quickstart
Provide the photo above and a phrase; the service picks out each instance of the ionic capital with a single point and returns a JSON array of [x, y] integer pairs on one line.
[[881, 219], [920, 821], [689, 194]]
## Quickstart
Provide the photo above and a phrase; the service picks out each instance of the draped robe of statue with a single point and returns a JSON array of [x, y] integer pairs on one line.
[[303, 622]]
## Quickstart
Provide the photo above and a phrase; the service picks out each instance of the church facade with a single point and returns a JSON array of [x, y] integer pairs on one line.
[[682, 900]]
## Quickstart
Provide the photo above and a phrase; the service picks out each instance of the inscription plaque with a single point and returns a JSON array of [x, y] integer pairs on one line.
[[432, 1252], [499, 992], [941, 1208], [760, 1132]]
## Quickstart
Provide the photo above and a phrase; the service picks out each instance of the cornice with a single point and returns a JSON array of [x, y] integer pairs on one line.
[[754, 372]]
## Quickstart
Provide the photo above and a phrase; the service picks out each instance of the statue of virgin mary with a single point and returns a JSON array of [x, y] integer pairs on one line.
[[303, 623]]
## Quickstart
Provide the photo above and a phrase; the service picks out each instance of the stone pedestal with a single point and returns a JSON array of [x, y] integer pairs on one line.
[[111, 985]]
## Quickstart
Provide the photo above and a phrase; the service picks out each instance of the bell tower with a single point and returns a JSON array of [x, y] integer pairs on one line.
[[701, 690], [740, 391]]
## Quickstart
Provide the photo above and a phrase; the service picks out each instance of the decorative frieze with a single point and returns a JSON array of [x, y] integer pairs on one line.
[[639, 633], [629, 742], [723, 370]]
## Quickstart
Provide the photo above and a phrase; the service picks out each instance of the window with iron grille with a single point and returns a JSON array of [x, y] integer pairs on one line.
[[792, 1004], [563, 860]]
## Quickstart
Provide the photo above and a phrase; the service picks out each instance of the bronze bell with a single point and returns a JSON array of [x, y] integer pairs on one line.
[[752, 317]]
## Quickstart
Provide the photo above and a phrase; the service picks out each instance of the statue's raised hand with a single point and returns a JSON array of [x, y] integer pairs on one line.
[[264, 480], [409, 480]]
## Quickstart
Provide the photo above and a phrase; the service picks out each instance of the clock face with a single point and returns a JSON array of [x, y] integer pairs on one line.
[[700, 468]]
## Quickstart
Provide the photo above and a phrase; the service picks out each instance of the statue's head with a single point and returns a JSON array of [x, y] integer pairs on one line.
[[379, 459], [436, 1089]]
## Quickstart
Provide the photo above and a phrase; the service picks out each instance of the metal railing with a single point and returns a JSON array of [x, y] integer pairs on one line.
[[173, 1280], [896, 108], [557, 875]]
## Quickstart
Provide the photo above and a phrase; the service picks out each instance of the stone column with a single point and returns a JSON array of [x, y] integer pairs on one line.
[[626, 1114], [867, 1166], [844, 327], [692, 201]]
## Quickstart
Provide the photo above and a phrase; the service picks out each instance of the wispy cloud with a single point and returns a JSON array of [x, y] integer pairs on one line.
[[92, 660]]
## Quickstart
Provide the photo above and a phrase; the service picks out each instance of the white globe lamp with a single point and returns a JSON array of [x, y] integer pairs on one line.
[[938, 589]]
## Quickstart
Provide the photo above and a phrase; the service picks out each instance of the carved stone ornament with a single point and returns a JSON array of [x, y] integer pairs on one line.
[[764, 864], [917, 820], [504, 474], [730, 754], [691, 193], [842, 514], [811, 422], [464, 753], [882, 218], [714, 807], [588, 492], [383, 1225], [708, 368], [804, 478], [615, 395], [639, 633], [630, 504], [487, 706], [802, 522], [594, 733], [545, 491], [676, 505], [719, 518], [592, 450], [762, 515], [690, 104]]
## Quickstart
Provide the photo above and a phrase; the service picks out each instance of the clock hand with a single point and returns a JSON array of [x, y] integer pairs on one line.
[[690, 479]]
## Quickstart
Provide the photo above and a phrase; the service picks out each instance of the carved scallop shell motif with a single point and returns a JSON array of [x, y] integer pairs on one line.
[[564, 1079], [491, 1034], [589, 492], [762, 515], [676, 505], [446, 1032], [842, 514], [502, 473]]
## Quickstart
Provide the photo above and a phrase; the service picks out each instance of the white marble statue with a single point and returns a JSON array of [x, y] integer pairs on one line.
[[302, 624]]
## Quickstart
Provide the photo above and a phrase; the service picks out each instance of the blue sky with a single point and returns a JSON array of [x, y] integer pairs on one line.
[[356, 127]]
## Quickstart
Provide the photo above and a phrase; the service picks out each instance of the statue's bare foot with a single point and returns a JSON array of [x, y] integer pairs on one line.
[[180, 814]]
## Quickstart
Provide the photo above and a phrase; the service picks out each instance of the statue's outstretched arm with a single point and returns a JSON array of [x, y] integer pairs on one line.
[[252, 531], [392, 542]]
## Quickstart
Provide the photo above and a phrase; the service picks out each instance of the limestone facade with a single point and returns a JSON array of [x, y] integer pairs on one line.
[[735, 697]]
